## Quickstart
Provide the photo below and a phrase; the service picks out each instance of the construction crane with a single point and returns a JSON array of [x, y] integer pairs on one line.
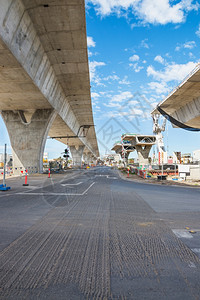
[[157, 130]]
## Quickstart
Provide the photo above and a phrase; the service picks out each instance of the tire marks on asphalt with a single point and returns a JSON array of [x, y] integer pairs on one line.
[[108, 244], [69, 245]]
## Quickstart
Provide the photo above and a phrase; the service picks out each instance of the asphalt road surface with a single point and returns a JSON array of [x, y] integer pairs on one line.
[[90, 234]]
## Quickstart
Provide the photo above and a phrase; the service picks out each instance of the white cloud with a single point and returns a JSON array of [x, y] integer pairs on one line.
[[90, 42], [159, 87], [191, 55], [97, 108], [119, 99], [95, 95], [129, 115], [89, 53], [198, 31], [160, 12], [92, 66], [171, 72], [187, 45], [112, 104], [134, 112], [122, 97], [128, 105], [144, 44], [111, 77], [136, 67], [135, 57], [159, 59], [149, 11], [106, 7], [188, 5], [124, 80], [178, 48]]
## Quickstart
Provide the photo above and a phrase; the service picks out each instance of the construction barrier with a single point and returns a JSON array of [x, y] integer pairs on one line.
[[21, 170], [139, 172], [128, 172], [26, 178]]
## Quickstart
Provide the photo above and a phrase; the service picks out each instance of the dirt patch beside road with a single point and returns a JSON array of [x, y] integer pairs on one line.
[[134, 177]]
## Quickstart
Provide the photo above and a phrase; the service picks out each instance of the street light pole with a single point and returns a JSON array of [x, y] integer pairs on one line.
[[175, 168], [4, 167]]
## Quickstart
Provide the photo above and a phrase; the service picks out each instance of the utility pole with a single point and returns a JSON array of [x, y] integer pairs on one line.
[[157, 129], [4, 167], [175, 168], [123, 151], [3, 186]]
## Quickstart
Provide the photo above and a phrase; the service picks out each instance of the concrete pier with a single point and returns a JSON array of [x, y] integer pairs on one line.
[[141, 143], [77, 154], [28, 137], [128, 148], [143, 154], [44, 66]]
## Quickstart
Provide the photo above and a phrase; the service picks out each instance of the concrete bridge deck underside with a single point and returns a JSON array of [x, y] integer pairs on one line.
[[183, 103], [44, 66]]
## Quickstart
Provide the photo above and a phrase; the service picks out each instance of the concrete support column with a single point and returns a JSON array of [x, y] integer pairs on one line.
[[143, 154], [89, 158], [95, 160], [77, 153], [85, 158], [28, 133], [92, 159]]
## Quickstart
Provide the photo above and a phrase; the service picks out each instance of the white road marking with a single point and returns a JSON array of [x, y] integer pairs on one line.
[[56, 194], [64, 184], [107, 176], [31, 187], [5, 195], [191, 264], [181, 233], [88, 188], [68, 178], [196, 250]]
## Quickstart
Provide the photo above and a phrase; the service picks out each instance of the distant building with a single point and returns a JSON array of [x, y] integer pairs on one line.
[[112, 158], [8, 159], [177, 157], [187, 158], [180, 158], [45, 159], [196, 155]]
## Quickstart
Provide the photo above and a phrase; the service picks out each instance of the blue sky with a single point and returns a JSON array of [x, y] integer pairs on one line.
[[139, 50]]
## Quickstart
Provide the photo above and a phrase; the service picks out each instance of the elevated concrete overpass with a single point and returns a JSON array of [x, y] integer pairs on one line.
[[131, 142], [128, 148], [44, 79], [142, 144], [182, 105]]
